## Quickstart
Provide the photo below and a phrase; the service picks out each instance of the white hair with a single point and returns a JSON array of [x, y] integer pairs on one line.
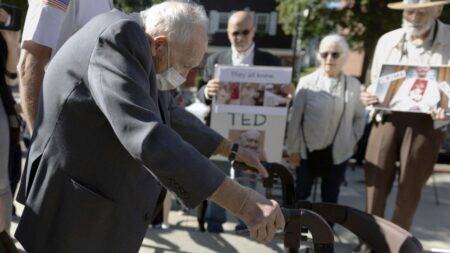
[[175, 19], [336, 39]]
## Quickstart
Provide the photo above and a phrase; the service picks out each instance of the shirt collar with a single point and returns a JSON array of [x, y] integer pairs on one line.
[[244, 54]]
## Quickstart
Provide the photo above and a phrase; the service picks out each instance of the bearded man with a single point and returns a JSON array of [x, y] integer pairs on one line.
[[413, 139]]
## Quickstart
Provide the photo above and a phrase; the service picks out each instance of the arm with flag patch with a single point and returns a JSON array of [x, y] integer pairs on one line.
[[40, 36]]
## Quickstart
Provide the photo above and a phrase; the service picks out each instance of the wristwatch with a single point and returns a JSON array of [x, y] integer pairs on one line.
[[233, 152], [10, 75]]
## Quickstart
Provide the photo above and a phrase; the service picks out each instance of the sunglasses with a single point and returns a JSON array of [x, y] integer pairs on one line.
[[244, 33], [334, 55]]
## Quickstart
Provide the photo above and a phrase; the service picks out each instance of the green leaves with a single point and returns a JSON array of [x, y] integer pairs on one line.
[[134, 5]]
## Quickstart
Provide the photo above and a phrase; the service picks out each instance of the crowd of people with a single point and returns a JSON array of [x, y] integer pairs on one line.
[[98, 95]]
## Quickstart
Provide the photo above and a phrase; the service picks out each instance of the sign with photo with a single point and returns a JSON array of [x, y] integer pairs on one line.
[[418, 89], [251, 107]]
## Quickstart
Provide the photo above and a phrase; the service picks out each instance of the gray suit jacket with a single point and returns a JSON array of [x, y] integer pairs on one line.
[[105, 139]]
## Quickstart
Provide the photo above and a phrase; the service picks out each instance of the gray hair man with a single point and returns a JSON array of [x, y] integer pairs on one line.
[[110, 134], [406, 137]]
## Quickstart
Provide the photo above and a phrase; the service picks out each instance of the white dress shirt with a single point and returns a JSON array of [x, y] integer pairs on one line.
[[244, 58]]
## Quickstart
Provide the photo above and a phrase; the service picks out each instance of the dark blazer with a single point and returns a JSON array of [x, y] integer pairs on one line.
[[14, 121], [105, 141], [261, 58]]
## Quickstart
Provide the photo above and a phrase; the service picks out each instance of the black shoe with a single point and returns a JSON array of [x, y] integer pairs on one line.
[[240, 227], [201, 226], [215, 228]]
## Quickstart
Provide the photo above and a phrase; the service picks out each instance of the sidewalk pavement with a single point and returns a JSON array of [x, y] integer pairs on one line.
[[431, 224]]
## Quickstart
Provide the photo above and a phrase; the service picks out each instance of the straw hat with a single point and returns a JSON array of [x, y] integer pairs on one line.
[[416, 4]]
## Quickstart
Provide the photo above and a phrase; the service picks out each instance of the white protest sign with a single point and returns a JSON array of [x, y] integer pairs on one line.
[[260, 74], [250, 107]]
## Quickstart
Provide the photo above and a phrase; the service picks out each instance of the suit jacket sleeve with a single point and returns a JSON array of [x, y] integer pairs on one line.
[[121, 78], [203, 138], [359, 120], [208, 74], [275, 61], [295, 142]]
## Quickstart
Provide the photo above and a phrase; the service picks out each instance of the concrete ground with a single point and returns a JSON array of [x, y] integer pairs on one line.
[[431, 225]]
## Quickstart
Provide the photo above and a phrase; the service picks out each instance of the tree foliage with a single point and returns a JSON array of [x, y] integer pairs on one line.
[[362, 21], [134, 5]]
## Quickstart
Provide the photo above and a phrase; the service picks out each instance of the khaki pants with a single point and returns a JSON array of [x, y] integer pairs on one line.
[[410, 139]]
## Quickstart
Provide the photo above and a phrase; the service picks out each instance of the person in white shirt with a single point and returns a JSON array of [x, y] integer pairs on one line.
[[410, 138], [48, 25]]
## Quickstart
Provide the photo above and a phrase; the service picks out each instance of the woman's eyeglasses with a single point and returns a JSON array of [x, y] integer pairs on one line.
[[334, 55], [244, 33]]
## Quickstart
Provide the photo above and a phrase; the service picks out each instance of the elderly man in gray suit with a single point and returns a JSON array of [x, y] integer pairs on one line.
[[109, 134]]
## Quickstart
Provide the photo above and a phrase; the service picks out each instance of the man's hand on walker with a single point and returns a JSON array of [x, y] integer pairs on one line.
[[262, 216]]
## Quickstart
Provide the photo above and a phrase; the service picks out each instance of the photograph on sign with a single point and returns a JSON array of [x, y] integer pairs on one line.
[[261, 132], [251, 139], [253, 94], [408, 88]]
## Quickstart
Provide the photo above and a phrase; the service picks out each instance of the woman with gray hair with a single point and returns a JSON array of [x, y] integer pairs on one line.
[[327, 120]]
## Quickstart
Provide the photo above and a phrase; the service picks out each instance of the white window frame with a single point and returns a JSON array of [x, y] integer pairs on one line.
[[266, 21], [269, 19], [223, 16]]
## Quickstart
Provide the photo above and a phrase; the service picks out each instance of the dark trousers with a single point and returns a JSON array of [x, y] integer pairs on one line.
[[330, 184], [411, 139]]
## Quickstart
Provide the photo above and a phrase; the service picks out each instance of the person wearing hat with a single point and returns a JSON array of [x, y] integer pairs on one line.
[[413, 139]]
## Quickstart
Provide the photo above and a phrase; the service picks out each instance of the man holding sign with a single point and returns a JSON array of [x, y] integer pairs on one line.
[[241, 31], [410, 138]]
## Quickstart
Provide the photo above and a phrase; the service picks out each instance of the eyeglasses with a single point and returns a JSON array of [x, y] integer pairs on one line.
[[334, 55], [244, 33]]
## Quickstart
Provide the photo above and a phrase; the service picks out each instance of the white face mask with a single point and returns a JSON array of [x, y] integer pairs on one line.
[[169, 79]]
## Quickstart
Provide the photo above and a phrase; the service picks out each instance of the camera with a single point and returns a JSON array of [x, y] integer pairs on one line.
[[15, 17]]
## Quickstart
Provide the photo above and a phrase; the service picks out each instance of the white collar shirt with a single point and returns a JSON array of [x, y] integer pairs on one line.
[[244, 58]]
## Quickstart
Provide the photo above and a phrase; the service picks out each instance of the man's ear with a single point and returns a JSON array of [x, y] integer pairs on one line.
[[159, 43], [152, 45]]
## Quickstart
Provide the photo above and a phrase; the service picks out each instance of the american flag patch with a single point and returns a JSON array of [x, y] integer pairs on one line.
[[59, 4]]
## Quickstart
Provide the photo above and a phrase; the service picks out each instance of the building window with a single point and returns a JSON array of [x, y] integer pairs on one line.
[[223, 21], [262, 22], [266, 23]]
